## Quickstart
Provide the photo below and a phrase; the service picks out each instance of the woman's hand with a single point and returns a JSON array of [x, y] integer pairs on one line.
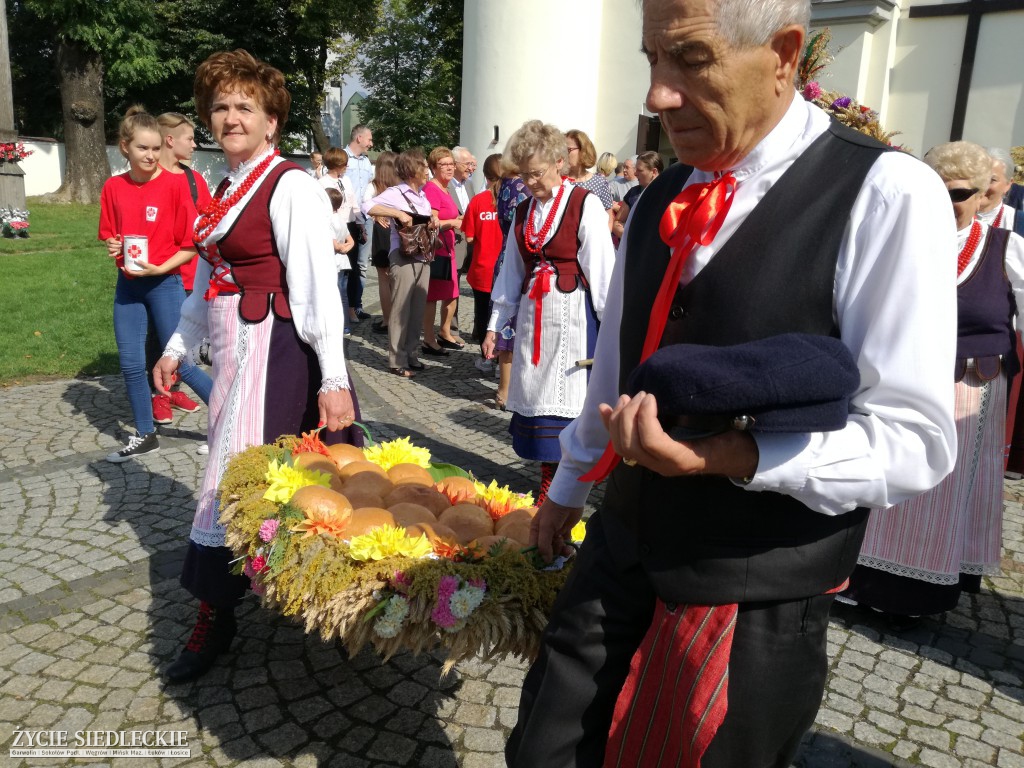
[[487, 347], [435, 223], [550, 529], [145, 269], [165, 374], [114, 246], [382, 221], [347, 245], [336, 409], [404, 218]]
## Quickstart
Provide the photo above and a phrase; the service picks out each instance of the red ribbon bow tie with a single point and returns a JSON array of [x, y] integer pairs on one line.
[[692, 219]]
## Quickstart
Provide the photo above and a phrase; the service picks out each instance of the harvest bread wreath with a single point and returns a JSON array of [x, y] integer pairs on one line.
[[383, 546]]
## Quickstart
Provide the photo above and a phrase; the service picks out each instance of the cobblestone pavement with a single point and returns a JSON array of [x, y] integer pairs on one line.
[[91, 611]]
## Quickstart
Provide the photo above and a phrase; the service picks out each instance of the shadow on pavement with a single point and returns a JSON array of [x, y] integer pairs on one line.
[[823, 750], [957, 639]]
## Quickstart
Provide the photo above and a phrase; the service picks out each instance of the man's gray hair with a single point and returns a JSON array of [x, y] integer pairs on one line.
[[1000, 155], [752, 23], [460, 153], [358, 129]]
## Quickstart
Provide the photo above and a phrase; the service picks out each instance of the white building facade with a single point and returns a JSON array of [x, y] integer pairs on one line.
[[902, 58]]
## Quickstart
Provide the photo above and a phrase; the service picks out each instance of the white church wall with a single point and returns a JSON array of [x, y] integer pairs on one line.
[[995, 110], [501, 88], [624, 77], [923, 85]]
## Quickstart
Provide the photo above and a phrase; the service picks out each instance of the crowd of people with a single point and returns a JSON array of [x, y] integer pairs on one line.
[[620, 306]]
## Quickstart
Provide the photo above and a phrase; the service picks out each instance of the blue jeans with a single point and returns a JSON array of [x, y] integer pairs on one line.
[[343, 289], [136, 302]]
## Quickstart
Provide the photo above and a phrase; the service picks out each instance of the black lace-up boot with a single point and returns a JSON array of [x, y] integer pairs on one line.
[[215, 628]]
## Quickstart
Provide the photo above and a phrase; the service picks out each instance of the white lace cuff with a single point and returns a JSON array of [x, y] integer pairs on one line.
[[333, 384], [174, 352]]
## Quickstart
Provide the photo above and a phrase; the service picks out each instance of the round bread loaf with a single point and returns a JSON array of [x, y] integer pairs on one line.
[[468, 521], [409, 474], [316, 498], [343, 454], [367, 518], [407, 513], [433, 500], [515, 516], [368, 482]]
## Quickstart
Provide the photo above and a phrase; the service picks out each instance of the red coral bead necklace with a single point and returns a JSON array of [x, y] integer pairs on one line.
[[998, 220], [535, 240], [969, 247], [219, 206]]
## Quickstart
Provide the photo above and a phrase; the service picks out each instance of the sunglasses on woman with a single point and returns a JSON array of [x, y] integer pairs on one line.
[[962, 195]]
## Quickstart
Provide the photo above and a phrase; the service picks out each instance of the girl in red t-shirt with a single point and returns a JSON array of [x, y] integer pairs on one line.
[[149, 202], [480, 225]]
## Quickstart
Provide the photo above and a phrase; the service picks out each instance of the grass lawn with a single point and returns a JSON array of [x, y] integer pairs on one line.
[[58, 296]]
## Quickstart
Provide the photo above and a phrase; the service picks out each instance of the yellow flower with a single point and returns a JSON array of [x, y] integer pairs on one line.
[[285, 480], [387, 541], [400, 451], [578, 532], [332, 522], [499, 501]]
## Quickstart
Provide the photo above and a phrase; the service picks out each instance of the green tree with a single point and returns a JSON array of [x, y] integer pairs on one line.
[[94, 41], [413, 68]]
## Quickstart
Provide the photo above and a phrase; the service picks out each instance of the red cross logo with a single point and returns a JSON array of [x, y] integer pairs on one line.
[[134, 252]]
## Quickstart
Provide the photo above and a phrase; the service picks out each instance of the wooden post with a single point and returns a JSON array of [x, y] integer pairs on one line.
[[12, 177]]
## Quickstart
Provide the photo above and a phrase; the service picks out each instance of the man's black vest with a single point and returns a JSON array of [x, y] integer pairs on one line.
[[703, 539]]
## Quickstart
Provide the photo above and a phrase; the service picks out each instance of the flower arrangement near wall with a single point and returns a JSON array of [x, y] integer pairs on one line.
[[843, 108], [386, 547], [13, 152]]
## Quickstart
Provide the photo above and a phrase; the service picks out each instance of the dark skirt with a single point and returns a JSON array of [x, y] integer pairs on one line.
[[536, 437], [905, 596]]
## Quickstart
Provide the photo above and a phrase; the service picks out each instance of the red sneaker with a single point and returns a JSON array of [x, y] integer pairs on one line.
[[183, 402], [162, 409]]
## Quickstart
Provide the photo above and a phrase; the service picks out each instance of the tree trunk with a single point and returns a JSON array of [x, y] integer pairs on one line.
[[319, 134], [80, 74]]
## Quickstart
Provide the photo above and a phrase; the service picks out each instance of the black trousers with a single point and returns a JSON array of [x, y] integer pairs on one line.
[[777, 671]]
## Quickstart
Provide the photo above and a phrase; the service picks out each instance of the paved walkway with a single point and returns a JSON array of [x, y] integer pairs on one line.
[[91, 611]]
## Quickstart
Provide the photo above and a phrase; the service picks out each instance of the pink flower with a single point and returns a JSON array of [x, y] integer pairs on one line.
[[442, 613], [258, 564], [812, 91], [268, 529]]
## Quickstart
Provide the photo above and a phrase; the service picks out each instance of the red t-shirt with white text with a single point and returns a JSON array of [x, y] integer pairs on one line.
[[480, 222]]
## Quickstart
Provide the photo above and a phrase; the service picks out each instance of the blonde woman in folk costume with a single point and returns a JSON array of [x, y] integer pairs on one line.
[[553, 280]]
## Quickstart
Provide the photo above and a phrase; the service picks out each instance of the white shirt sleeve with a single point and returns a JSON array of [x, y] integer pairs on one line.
[[301, 217], [193, 325], [1015, 270], [597, 252], [895, 304]]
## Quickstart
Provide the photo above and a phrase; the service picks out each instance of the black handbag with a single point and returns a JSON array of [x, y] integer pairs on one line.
[[441, 268]]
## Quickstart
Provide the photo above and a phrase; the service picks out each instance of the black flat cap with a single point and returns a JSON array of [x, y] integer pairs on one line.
[[794, 382]]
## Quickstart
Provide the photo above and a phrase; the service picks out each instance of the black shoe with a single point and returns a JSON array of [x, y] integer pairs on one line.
[[447, 344], [137, 445], [360, 315], [380, 328], [416, 366], [435, 352], [212, 636]]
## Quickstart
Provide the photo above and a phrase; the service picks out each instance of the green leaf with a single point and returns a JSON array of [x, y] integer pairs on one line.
[[440, 471]]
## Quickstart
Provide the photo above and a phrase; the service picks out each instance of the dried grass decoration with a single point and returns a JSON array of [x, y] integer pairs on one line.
[[383, 546]]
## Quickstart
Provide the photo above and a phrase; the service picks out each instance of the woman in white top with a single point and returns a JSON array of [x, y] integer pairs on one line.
[[266, 297], [918, 556], [553, 279]]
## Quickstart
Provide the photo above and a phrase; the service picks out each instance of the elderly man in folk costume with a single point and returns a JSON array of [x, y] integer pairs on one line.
[[724, 553]]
